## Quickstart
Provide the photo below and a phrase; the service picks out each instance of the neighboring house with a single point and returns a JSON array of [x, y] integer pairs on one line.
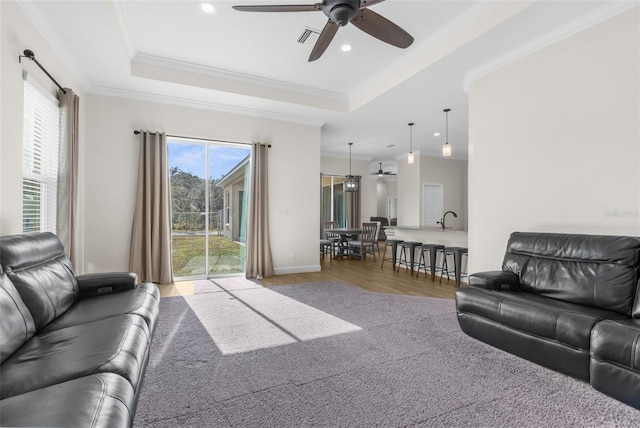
[[234, 190]]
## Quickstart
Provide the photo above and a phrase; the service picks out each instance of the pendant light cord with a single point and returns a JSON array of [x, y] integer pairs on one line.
[[411, 137], [446, 115], [350, 144]]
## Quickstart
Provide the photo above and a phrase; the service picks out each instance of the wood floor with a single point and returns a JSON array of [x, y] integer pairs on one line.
[[369, 276]]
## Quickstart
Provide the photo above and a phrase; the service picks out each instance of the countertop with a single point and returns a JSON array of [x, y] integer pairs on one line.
[[429, 229]]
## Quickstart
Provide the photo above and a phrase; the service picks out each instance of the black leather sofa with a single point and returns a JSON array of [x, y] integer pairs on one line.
[[567, 302], [73, 350]]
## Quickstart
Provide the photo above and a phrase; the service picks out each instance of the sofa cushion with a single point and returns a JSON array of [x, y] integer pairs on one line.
[[615, 360], [41, 272], [100, 400], [16, 326], [118, 345], [617, 342], [142, 301], [591, 270], [566, 323]]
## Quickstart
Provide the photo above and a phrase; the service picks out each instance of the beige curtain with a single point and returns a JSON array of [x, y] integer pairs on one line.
[[67, 198], [352, 202], [151, 235], [259, 263]]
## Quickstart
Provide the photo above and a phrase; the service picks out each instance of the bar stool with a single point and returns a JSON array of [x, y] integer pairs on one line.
[[393, 243], [433, 250], [457, 253], [411, 246]]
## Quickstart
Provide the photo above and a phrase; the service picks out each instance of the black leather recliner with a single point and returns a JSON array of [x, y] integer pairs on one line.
[[73, 350], [566, 302]]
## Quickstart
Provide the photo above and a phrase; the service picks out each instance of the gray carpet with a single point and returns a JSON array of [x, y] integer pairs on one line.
[[408, 364]]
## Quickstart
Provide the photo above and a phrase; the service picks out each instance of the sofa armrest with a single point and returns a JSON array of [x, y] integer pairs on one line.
[[495, 280], [97, 284]]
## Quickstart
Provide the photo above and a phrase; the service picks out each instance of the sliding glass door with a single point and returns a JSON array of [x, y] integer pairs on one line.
[[334, 207], [209, 182]]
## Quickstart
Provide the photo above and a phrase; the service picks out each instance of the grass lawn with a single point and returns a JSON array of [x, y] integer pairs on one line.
[[188, 253]]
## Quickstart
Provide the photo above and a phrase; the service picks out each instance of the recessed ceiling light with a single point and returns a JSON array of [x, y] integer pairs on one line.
[[346, 48], [436, 134], [207, 8]]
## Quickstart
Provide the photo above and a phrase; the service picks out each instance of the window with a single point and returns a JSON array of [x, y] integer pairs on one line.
[[41, 138]]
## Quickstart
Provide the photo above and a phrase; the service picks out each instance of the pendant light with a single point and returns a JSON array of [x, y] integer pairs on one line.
[[350, 182], [446, 147], [410, 157]]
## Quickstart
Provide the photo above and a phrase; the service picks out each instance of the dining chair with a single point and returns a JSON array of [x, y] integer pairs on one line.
[[366, 243], [332, 236], [326, 247], [376, 244]]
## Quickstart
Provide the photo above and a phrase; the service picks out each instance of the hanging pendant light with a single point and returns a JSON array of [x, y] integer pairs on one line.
[[446, 147], [410, 157], [350, 182]]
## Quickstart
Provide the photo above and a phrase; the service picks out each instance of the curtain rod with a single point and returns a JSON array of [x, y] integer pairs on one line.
[[28, 53], [136, 132]]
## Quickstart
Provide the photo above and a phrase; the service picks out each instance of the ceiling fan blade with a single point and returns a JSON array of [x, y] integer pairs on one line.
[[280, 8], [328, 32], [381, 28]]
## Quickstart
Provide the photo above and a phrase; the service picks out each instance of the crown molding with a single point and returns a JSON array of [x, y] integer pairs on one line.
[[247, 79], [199, 104], [580, 24]]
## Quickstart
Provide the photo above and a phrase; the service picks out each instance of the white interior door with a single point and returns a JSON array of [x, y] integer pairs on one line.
[[432, 203], [393, 208]]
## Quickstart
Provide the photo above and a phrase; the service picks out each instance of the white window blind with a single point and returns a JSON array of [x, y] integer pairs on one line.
[[41, 136]]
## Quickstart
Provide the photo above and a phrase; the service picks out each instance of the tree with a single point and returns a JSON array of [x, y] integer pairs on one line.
[[188, 200]]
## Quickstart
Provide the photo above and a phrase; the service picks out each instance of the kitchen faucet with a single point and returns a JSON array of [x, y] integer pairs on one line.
[[444, 215]]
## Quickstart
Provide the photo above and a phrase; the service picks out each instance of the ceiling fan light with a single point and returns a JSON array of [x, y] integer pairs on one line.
[[446, 150], [341, 14]]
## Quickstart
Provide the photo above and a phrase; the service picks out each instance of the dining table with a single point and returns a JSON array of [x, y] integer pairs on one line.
[[345, 234]]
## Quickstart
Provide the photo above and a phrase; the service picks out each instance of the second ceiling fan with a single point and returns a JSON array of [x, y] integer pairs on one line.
[[340, 13], [381, 172]]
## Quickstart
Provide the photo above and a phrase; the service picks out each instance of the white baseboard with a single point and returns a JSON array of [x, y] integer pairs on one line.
[[296, 269]]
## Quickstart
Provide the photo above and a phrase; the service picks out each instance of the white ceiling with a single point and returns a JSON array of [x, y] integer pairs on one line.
[[251, 63]]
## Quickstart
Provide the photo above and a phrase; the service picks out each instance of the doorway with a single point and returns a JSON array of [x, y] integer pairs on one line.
[[209, 187], [337, 204], [333, 203], [392, 210]]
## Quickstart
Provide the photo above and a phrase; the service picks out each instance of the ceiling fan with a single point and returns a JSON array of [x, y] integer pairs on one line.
[[381, 173], [340, 13]]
